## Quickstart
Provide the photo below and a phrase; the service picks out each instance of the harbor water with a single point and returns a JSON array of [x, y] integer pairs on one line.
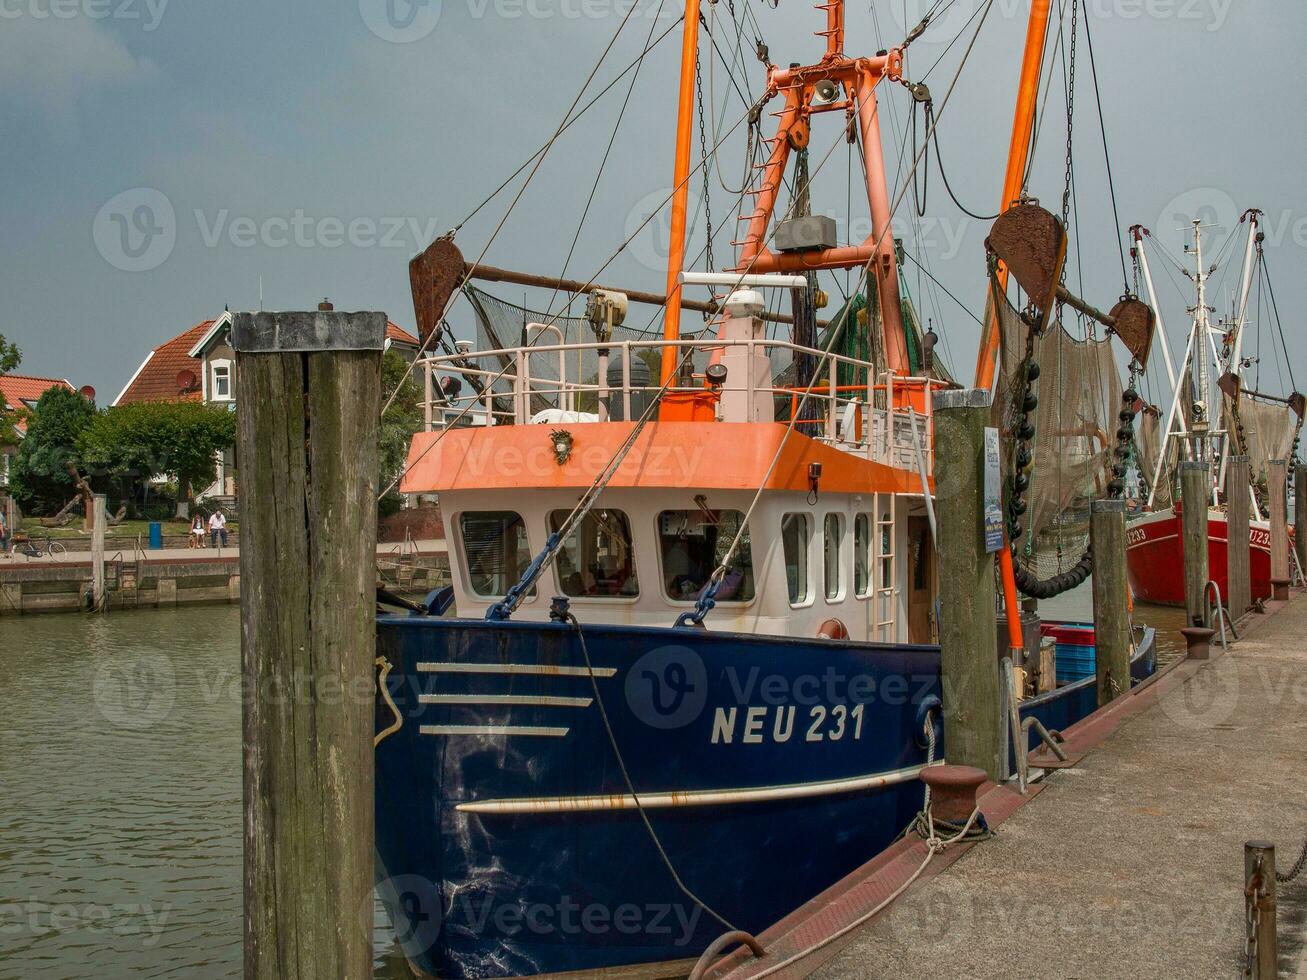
[[120, 792]]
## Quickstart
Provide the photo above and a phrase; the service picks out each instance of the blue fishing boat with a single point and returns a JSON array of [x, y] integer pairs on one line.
[[686, 673]]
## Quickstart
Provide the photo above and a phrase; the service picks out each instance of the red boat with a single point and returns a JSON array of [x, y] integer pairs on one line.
[[1155, 556]]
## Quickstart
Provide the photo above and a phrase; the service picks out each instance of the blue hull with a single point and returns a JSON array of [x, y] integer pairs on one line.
[[769, 768]]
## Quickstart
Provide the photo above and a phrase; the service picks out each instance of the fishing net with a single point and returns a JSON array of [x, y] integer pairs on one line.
[[1148, 435], [1268, 432], [1079, 392]]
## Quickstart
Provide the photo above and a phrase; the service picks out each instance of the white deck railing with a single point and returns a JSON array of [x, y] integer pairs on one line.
[[877, 419]]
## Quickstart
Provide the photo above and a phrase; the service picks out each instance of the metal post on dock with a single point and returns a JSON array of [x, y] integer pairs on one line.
[[1238, 591], [1195, 480], [1277, 489], [307, 424], [973, 723], [1260, 945], [99, 518], [1111, 598]]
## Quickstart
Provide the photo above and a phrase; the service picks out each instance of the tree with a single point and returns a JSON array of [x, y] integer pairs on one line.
[[46, 469], [130, 443], [10, 358], [398, 423]]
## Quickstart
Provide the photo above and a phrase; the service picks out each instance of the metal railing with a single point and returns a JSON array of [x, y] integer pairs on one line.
[[890, 418]]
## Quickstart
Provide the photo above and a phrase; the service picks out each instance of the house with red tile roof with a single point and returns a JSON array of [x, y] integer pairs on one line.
[[200, 365], [19, 391]]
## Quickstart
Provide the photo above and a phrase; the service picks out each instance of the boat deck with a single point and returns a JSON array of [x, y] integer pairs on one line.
[[1128, 863]]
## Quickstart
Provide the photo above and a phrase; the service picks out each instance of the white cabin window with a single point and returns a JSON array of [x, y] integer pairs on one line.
[[796, 533], [692, 543], [862, 555], [597, 559], [832, 548], [220, 391], [495, 551]]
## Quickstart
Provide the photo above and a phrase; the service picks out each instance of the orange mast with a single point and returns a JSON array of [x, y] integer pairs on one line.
[[680, 190], [1023, 124]]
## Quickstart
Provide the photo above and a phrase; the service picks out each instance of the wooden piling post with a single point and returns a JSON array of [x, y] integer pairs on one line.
[[1277, 490], [1195, 490], [973, 725], [307, 426], [1300, 516], [1238, 586], [99, 595], [1111, 602], [1259, 913]]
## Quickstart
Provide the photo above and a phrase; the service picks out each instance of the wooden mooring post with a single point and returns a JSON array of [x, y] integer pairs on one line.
[[1277, 492], [973, 724], [1195, 491], [1111, 598], [99, 518], [1238, 576], [307, 425]]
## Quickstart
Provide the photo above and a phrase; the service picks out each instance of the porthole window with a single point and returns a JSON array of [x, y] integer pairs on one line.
[[496, 551], [796, 533], [692, 544], [832, 549], [597, 558], [862, 555]]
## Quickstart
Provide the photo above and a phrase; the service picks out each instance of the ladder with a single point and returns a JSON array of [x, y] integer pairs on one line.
[[884, 569]]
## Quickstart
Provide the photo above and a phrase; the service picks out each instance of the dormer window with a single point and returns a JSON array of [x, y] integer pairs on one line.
[[220, 390]]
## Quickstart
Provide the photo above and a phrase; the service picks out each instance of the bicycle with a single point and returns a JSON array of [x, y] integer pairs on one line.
[[26, 544]]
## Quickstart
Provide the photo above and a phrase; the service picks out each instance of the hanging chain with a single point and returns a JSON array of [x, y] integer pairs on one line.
[[1070, 120], [704, 147]]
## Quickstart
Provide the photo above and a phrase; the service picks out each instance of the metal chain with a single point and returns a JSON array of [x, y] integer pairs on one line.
[[1070, 121], [1284, 877], [703, 143], [1252, 919]]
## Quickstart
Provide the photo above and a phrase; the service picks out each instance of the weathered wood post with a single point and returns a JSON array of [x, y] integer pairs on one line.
[[1111, 614], [1259, 911], [1300, 516], [99, 512], [1195, 490], [1238, 586], [307, 425], [973, 725], [1277, 490]]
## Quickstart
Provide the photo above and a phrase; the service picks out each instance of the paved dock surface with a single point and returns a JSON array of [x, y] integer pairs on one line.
[[1130, 864]]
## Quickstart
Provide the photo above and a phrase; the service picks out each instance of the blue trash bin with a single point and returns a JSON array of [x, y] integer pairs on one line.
[[156, 535]]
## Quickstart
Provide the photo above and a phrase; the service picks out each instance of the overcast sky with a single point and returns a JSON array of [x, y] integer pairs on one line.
[[160, 156]]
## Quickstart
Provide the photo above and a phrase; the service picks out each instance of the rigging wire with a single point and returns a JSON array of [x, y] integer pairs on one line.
[[467, 275], [947, 293], [603, 162], [1102, 125]]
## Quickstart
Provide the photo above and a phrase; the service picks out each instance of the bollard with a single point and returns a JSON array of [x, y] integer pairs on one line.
[[1198, 642], [1111, 596], [1259, 910], [1277, 489], [307, 426], [973, 723], [1238, 592], [1195, 489], [953, 791]]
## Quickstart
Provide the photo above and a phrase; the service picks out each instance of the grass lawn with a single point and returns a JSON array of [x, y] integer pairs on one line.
[[127, 529]]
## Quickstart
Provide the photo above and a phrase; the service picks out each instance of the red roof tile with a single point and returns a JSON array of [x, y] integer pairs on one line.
[[399, 335], [16, 390], [156, 378]]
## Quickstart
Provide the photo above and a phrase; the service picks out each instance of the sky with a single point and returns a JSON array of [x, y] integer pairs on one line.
[[166, 159]]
